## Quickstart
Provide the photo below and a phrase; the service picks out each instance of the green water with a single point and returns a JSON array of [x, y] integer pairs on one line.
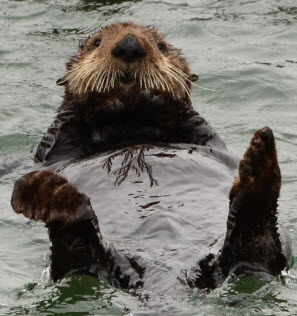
[[245, 50]]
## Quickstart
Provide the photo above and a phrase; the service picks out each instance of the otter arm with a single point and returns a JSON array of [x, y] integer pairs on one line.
[[253, 243], [63, 139], [194, 129], [178, 122], [78, 133], [68, 215], [77, 245]]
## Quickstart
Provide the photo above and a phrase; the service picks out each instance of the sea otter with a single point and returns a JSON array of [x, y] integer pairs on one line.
[[128, 153]]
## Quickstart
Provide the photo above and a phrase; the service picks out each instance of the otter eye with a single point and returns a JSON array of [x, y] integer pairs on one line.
[[161, 46], [97, 43]]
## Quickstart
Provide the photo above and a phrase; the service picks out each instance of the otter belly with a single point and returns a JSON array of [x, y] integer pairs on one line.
[[164, 207]]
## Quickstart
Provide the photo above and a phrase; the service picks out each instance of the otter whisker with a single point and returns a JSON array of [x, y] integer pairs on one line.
[[159, 83], [145, 82], [156, 81], [171, 79], [152, 80], [113, 76], [180, 81], [90, 79], [76, 74], [107, 84], [70, 73], [175, 76], [109, 79], [162, 81], [169, 89], [149, 79], [104, 80], [99, 81], [82, 74], [188, 79], [99, 73], [85, 77], [202, 88], [140, 80], [81, 85], [177, 72], [80, 77], [168, 65]]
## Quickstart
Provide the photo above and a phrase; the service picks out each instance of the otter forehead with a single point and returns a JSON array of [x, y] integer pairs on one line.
[[110, 36], [124, 59]]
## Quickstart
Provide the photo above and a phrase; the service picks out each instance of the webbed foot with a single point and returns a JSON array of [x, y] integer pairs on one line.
[[259, 171], [252, 236], [252, 243]]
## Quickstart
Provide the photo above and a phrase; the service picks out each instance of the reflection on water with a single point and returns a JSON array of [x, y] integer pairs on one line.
[[81, 295], [243, 49], [133, 161]]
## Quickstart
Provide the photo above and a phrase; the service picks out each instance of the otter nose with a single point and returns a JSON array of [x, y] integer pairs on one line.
[[128, 49]]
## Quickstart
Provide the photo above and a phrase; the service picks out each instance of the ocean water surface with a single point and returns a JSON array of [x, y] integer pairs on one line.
[[245, 50]]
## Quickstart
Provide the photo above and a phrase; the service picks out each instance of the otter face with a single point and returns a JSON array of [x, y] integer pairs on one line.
[[124, 59]]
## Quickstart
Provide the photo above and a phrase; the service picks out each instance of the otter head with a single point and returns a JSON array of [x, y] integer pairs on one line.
[[124, 59]]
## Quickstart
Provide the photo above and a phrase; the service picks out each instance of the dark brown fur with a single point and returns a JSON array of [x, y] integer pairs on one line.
[[252, 223], [252, 243], [46, 196]]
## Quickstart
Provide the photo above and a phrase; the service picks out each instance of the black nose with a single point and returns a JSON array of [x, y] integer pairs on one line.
[[128, 49]]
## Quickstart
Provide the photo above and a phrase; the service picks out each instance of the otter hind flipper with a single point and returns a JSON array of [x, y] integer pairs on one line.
[[252, 243], [252, 236]]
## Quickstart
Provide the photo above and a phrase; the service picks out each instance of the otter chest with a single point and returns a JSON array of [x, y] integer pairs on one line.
[[163, 206]]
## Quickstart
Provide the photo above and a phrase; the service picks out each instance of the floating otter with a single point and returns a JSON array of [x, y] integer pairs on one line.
[[127, 150]]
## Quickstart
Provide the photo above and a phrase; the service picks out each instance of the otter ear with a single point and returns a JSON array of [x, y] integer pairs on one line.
[[62, 81], [194, 77]]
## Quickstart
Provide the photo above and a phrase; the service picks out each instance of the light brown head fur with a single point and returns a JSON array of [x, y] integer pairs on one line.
[[100, 67]]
